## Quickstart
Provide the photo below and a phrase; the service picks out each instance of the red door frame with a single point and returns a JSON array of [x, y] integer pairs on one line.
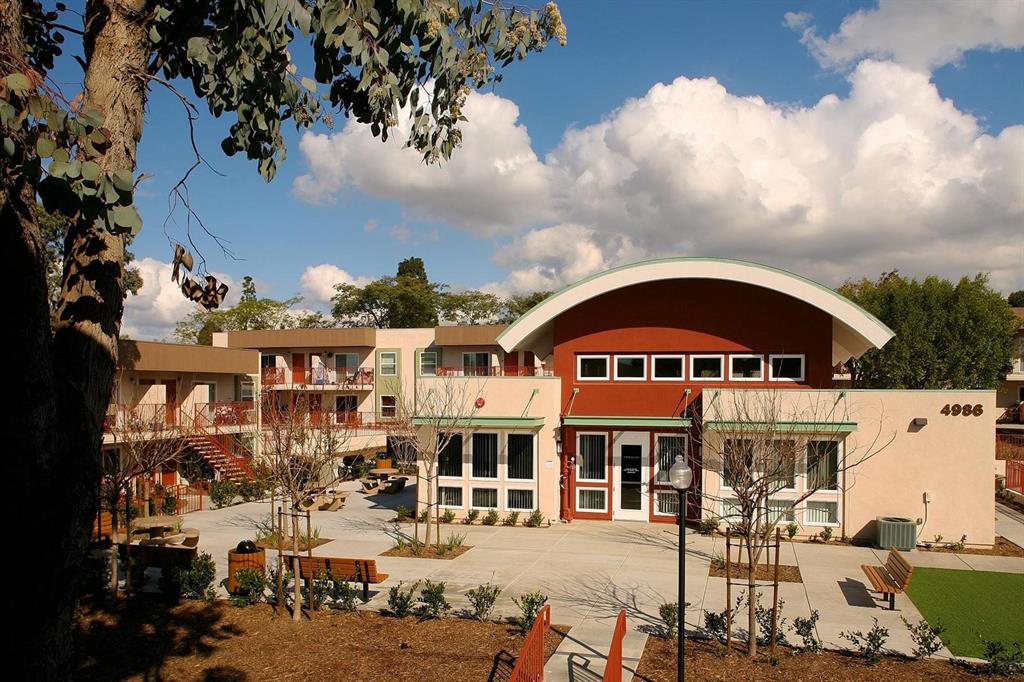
[[298, 368]]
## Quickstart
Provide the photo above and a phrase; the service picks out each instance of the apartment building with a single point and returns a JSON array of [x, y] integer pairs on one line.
[[1010, 406], [579, 407]]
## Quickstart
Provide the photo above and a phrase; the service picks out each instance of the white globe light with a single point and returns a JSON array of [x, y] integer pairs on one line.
[[680, 475]]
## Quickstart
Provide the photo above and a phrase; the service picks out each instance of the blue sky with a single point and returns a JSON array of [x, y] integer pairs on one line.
[[616, 52]]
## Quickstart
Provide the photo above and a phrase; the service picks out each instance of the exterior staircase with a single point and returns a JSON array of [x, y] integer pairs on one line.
[[213, 452]]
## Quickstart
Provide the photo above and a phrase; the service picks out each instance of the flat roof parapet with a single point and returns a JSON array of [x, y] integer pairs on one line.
[[156, 356], [361, 337]]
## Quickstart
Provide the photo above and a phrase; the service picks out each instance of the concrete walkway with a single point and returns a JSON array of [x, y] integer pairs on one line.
[[592, 570], [1010, 524]]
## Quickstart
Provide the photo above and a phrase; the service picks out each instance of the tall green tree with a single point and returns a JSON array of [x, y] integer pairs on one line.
[[948, 335], [1016, 299], [372, 60], [514, 307]]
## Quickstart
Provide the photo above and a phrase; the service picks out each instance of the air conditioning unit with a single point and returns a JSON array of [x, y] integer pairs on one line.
[[896, 532]]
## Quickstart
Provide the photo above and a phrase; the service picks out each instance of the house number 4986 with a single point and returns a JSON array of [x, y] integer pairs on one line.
[[964, 410]]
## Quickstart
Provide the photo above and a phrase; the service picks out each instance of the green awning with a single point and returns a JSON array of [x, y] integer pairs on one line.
[[487, 422], [783, 427], [662, 422]]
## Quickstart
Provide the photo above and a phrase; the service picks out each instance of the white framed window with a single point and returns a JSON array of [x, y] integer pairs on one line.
[[519, 499], [822, 465], [737, 453], [780, 511], [666, 503], [449, 496], [592, 367], [388, 406], [592, 457], [591, 499], [667, 367], [483, 498], [743, 367], [821, 513], [484, 455], [731, 511], [347, 363], [707, 367], [428, 363], [630, 367], [666, 447], [520, 455], [389, 363], [449, 459], [782, 465], [786, 367]]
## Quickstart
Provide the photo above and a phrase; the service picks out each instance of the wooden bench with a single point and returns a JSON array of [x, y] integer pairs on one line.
[[891, 578], [353, 570]]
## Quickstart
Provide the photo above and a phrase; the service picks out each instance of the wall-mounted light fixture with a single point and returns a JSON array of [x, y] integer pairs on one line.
[[920, 421], [558, 446]]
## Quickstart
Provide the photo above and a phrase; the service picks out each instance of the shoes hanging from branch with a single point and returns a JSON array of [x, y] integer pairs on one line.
[[211, 296], [182, 259]]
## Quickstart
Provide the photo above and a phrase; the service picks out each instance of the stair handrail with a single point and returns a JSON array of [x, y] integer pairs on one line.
[[529, 665], [613, 666]]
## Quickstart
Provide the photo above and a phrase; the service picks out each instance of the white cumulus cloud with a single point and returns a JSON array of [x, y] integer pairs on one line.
[[923, 34], [153, 312], [318, 282]]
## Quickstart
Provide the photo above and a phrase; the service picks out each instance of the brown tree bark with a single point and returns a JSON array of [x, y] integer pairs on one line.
[[63, 375]]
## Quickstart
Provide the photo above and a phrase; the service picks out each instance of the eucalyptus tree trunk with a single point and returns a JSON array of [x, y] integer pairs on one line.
[[63, 374]]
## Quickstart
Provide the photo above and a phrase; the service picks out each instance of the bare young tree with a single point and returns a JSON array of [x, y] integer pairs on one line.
[[300, 447], [775, 449], [148, 438], [425, 422]]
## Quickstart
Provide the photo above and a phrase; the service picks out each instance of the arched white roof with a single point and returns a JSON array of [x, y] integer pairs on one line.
[[854, 330]]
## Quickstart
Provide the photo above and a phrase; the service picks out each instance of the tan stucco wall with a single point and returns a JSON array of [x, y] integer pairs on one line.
[[508, 397], [950, 458]]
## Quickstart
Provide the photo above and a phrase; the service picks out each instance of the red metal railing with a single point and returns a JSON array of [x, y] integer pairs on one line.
[[1015, 475], [613, 667], [1014, 414], [187, 498], [325, 376], [273, 375], [142, 417], [493, 371], [530, 663], [360, 420], [229, 413], [1009, 446]]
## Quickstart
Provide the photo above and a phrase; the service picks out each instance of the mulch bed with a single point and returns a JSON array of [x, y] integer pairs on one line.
[[787, 574], [1003, 547], [287, 545], [145, 639], [705, 662], [427, 552]]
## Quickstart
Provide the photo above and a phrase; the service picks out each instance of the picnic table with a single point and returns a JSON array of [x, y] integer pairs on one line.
[[156, 526]]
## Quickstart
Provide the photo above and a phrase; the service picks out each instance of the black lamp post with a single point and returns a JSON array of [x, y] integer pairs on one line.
[[681, 476]]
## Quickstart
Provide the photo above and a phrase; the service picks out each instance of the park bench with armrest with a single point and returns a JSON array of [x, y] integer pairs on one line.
[[892, 578], [352, 570]]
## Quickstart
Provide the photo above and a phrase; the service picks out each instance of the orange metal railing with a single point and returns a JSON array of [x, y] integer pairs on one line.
[[1015, 475], [325, 376], [613, 667], [530, 664], [1009, 446]]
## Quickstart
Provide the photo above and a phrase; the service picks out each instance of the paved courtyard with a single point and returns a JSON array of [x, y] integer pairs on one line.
[[592, 570]]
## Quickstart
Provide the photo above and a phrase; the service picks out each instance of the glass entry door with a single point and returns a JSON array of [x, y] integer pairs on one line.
[[630, 464]]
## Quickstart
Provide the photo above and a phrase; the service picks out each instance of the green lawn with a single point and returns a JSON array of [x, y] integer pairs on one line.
[[969, 603]]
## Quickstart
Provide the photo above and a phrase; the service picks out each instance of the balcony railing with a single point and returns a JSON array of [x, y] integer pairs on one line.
[[327, 377], [160, 417], [1014, 414], [493, 371]]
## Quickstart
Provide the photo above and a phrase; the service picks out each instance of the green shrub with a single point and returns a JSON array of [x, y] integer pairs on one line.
[[482, 600], [1002, 659], [510, 520], [403, 512], [169, 505], [718, 561], [448, 516], [223, 493], [807, 629], [715, 623], [197, 581], [400, 601], [251, 584], [959, 545], [251, 490], [707, 526], [490, 518], [669, 613], [343, 594], [825, 535], [925, 636], [535, 519], [791, 529], [321, 588], [432, 597], [471, 517], [529, 605], [869, 645], [763, 615], [423, 516]]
